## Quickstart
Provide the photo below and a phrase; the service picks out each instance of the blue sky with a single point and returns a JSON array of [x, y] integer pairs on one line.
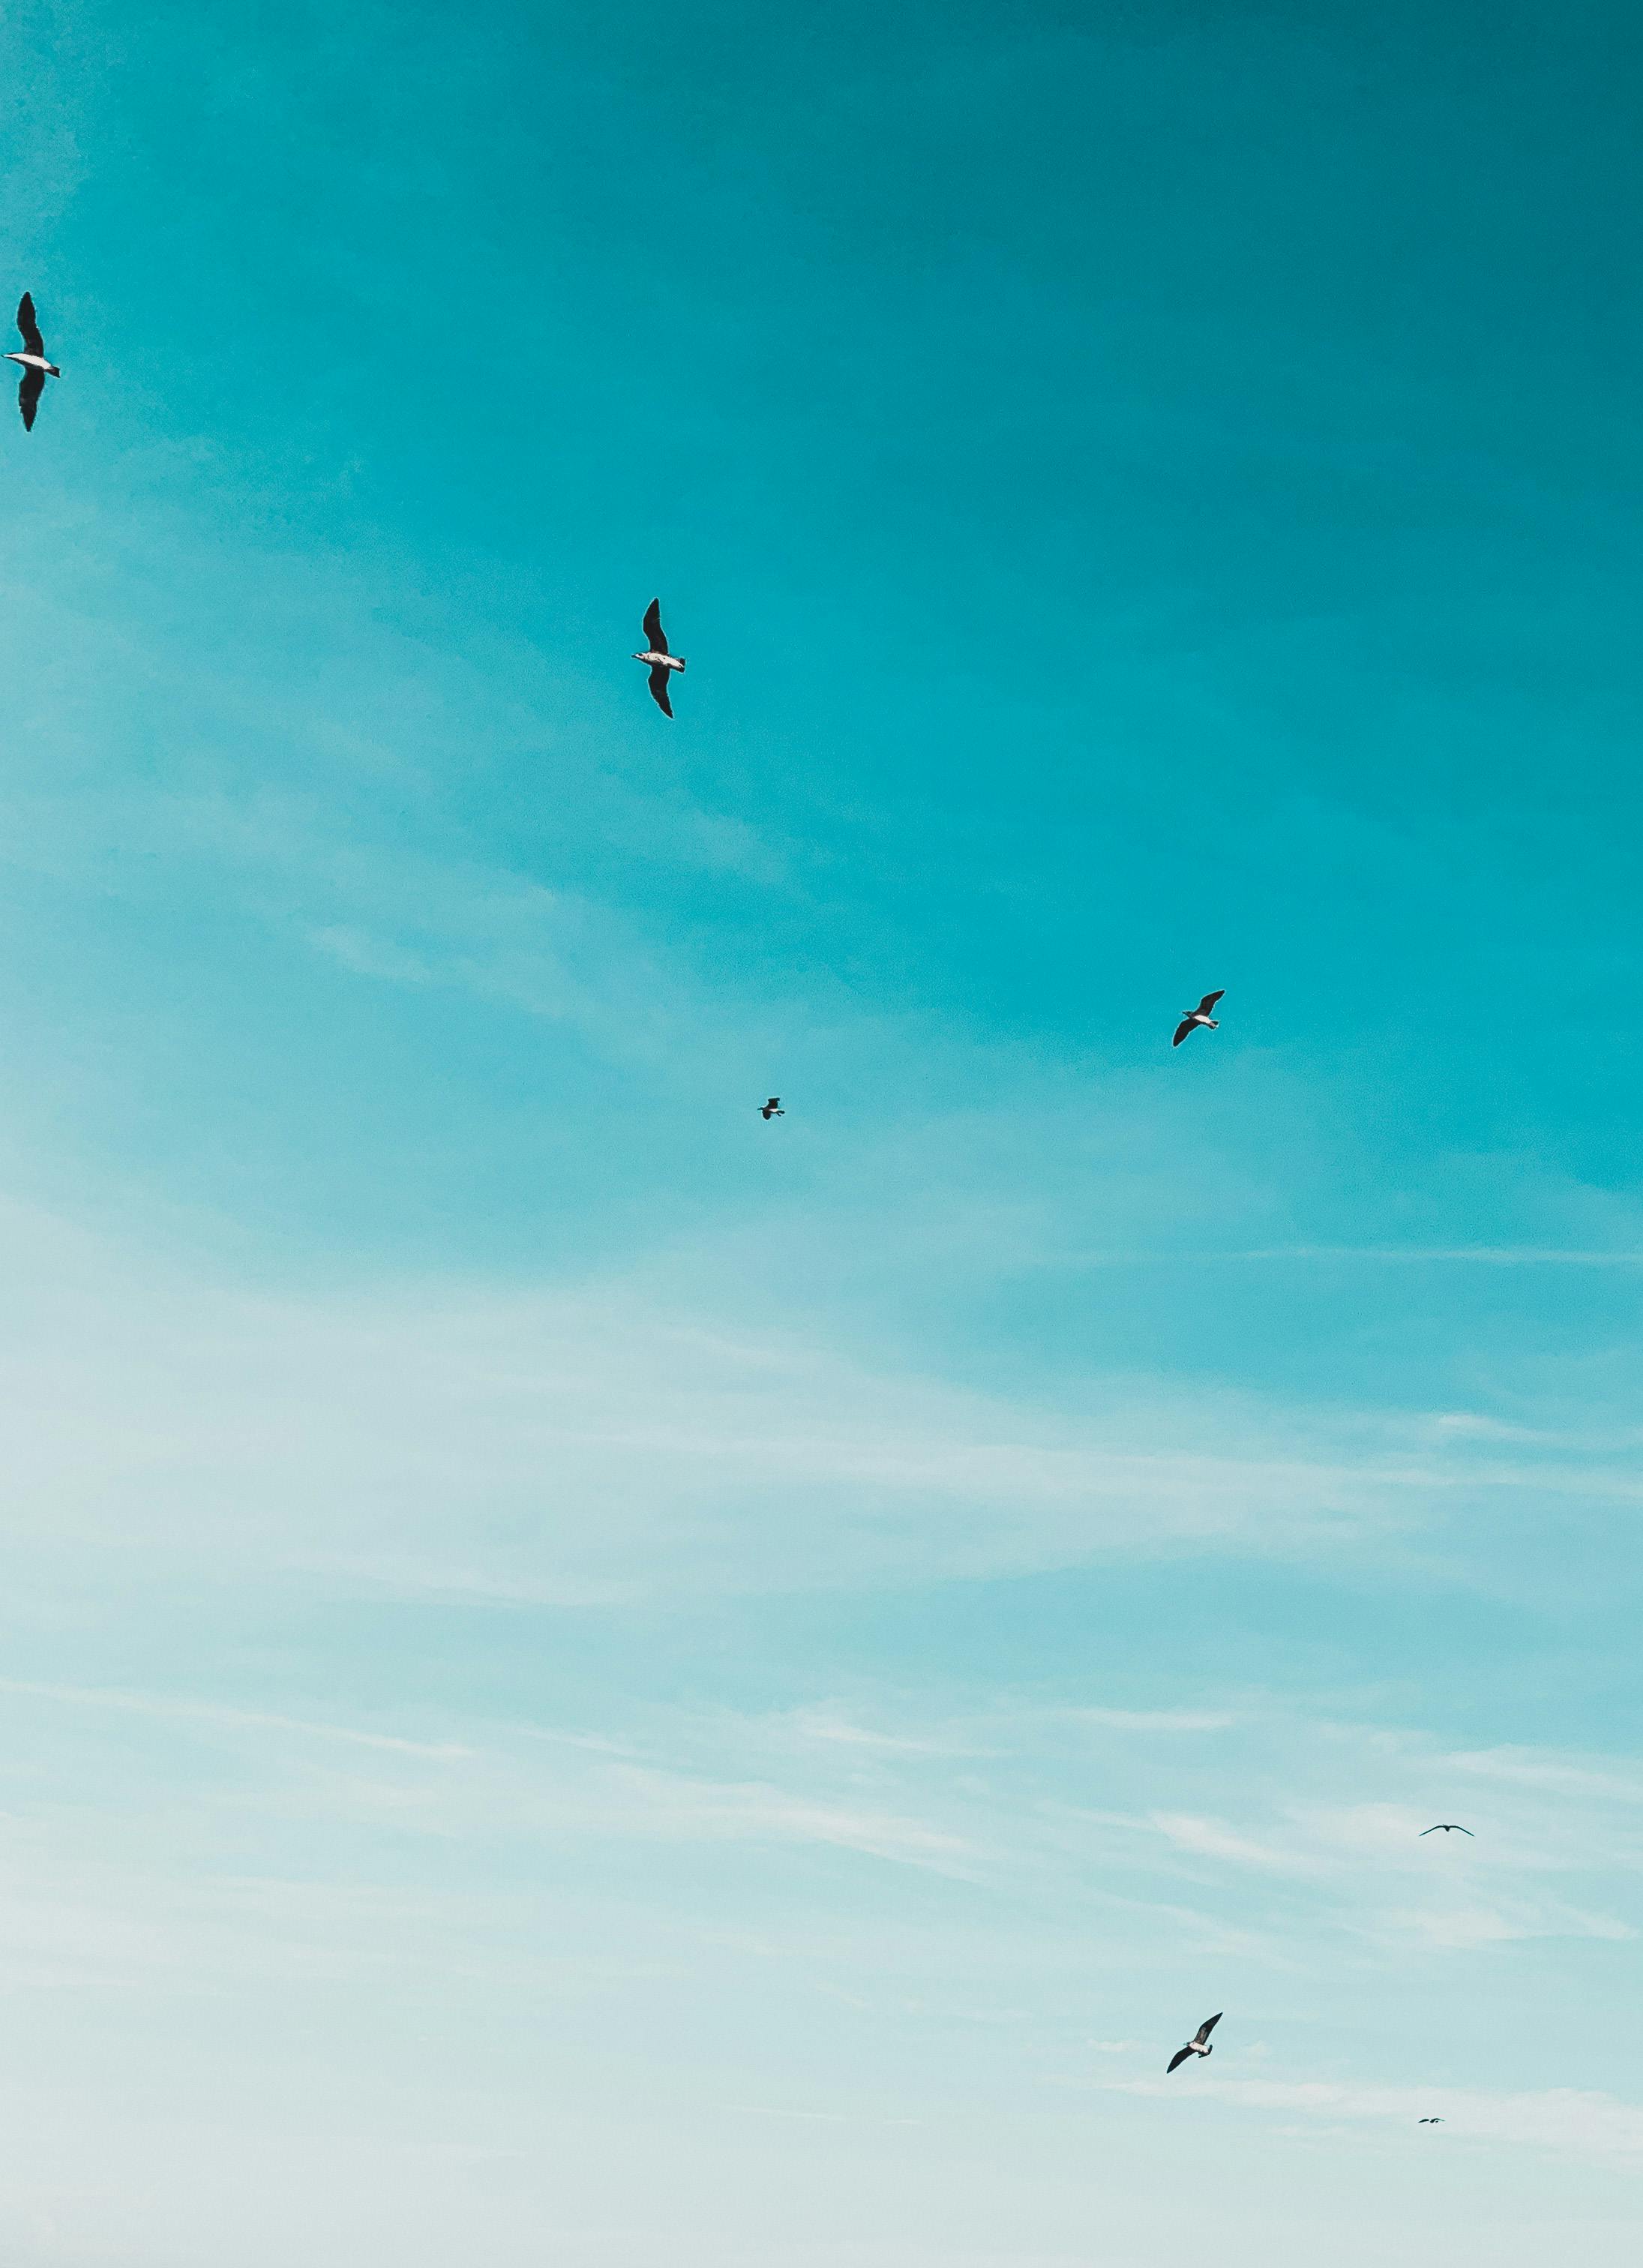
[[588, 1678]]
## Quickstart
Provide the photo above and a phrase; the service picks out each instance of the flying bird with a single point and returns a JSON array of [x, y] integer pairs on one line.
[[1445, 1827], [1192, 1018], [1429, 2122], [659, 657], [772, 1108], [36, 369], [1198, 2044]]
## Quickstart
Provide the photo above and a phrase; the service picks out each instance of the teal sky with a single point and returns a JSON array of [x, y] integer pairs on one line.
[[588, 1680]]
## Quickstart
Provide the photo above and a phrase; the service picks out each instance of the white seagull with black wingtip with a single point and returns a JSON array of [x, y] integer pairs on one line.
[[1192, 1017], [661, 660], [1199, 2044], [36, 369]]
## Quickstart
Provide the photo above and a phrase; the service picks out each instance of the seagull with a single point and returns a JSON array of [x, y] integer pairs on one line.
[[1195, 2045], [1192, 1018], [36, 369], [1445, 1827], [1429, 2122], [658, 655], [772, 1108]]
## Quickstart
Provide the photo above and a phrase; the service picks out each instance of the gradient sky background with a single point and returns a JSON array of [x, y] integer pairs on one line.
[[588, 1680]]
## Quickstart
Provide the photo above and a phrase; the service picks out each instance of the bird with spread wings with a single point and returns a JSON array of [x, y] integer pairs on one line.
[[36, 369], [1193, 1020], [1199, 2044], [662, 664]]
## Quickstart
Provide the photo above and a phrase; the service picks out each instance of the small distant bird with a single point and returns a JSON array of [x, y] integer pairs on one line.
[[1198, 2044], [1445, 1827], [1429, 2122], [36, 369], [1192, 1018], [658, 655], [772, 1108]]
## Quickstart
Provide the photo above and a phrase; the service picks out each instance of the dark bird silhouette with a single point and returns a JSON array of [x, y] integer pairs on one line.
[[1197, 2044], [772, 1108], [1445, 1827], [661, 660], [1429, 2122], [36, 369], [1192, 1017]]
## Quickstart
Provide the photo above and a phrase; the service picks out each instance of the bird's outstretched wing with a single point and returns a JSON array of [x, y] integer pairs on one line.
[[654, 639], [1209, 1000], [659, 691], [1185, 1026], [774, 1104], [1178, 2059], [27, 324], [1456, 1829], [1208, 2026], [28, 397]]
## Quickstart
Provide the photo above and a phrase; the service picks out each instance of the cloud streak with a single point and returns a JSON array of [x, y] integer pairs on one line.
[[1567, 2121], [455, 1440], [216, 1716]]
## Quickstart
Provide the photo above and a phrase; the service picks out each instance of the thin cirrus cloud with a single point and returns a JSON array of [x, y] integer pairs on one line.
[[445, 1442], [1558, 1775], [1567, 2121], [1211, 1839], [1463, 1928], [222, 1717], [1499, 1256]]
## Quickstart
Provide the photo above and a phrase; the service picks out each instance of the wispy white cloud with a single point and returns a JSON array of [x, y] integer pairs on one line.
[[1465, 1927], [1532, 1768], [1497, 1255], [677, 1804], [1212, 1838], [1154, 1720], [1564, 2120], [455, 1439], [827, 1724], [217, 1716]]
